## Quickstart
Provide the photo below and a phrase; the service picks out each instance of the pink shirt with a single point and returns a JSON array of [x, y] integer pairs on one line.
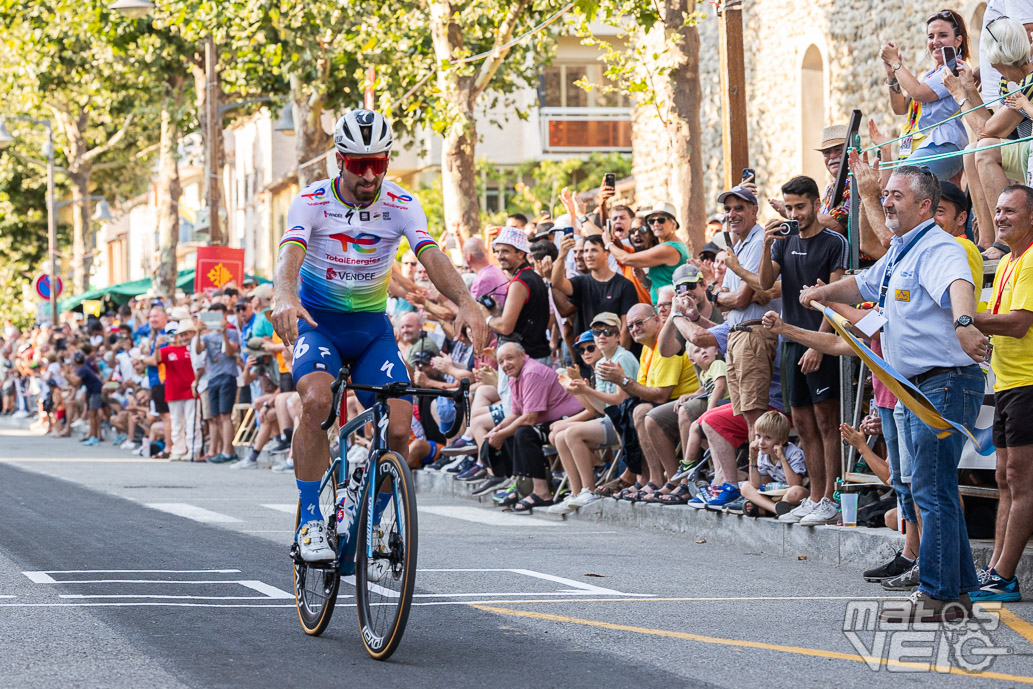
[[490, 280], [538, 388], [884, 398]]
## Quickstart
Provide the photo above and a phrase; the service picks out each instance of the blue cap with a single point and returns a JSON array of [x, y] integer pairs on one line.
[[585, 337]]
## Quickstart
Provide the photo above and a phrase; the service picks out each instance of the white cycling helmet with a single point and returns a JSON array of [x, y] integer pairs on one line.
[[362, 131]]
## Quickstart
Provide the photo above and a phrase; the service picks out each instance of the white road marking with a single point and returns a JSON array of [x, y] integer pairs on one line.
[[198, 514], [288, 509], [270, 591], [45, 578], [483, 516], [578, 586], [8, 596]]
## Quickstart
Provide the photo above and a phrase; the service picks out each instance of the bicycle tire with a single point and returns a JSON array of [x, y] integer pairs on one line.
[[315, 588], [381, 624]]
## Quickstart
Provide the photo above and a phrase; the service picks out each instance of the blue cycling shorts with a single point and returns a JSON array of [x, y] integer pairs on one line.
[[366, 341]]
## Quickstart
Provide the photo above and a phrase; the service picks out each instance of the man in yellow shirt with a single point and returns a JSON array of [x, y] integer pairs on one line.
[[660, 380], [952, 216], [1007, 320]]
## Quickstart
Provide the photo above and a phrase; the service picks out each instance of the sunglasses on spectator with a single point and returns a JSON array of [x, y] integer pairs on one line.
[[586, 349], [656, 220], [604, 332], [642, 229], [991, 23], [684, 287], [238, 309], [358, 166], [949, 16]]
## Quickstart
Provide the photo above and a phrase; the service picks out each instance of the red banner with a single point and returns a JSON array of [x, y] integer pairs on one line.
[[217, 267]]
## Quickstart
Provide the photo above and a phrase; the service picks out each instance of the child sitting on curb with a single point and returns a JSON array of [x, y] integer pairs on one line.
[[773, 458]]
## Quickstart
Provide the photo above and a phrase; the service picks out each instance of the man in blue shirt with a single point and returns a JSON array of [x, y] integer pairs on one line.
[[924, 289]]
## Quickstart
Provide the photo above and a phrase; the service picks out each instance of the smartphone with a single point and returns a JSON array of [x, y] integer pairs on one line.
[[610, 180], [950, 59], [212, 320], [789, 228], [749, 172], [568, 231]]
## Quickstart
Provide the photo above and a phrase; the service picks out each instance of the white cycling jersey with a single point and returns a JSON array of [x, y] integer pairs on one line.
[[349, 249]]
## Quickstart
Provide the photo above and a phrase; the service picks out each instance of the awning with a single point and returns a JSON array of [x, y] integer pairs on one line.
[[120, 294]]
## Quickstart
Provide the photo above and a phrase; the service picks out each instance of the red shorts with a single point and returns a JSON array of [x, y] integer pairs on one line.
[[729, 426], [59, 414]]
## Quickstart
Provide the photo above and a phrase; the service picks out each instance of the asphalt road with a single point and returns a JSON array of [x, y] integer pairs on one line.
[[117, 572]]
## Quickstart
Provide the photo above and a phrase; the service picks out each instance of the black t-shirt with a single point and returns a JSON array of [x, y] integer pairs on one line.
[[592, 297], [804, 262], [93, 384], [533, 321]]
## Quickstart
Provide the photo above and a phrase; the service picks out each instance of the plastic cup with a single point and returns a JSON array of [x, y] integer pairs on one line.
[[848, 501]]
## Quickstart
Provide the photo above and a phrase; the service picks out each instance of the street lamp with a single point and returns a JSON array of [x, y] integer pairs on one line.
[[103, 212], [6, 140]]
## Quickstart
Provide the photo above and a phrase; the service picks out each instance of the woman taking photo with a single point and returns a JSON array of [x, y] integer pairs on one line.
[[925, 100]]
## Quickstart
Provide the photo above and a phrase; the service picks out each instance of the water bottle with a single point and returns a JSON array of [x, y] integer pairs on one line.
[[347, 514]]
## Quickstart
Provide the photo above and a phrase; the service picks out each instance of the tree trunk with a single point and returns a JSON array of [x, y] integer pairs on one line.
[[310, 141], [169, 191], [212, 168], [458, 174], [82, 255], [683, 126]]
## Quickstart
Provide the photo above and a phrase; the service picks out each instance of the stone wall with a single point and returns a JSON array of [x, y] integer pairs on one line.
[[778, 34]]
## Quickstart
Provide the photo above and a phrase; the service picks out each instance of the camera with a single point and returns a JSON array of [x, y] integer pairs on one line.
[[487, 302], [789, 228]]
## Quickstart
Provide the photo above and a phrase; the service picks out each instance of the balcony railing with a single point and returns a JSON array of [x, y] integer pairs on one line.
[[573, 130]]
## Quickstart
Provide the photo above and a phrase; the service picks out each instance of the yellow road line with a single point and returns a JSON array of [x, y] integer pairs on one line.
[[1016, 623], [797, 650]]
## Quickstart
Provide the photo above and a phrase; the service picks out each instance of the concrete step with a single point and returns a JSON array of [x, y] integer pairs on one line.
[[857, 547]]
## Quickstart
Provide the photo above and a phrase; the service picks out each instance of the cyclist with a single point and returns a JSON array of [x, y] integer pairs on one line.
[[343, 237]]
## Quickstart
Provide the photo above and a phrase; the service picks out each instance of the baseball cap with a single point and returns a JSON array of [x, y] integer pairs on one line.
[[740, 192], [607, 318], [686, 273], [710, 248], [951, 192], [586, 336]]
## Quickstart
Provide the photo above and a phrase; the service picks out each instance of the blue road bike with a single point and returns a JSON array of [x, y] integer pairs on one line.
[[373, 531]]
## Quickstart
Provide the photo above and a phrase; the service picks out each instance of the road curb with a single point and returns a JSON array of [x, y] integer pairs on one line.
[[856, 547]]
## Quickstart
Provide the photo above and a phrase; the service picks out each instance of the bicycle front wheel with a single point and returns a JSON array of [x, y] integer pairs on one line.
[[385, 556], [315, 586]]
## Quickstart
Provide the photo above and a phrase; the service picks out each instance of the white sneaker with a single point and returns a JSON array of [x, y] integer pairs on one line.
[[128, 445], [585, 497], [827, 512], [313, 544], [794, 515], [245, 464], [22, 414], [177, 458], [284, 467], [75, 425], [564, 507]]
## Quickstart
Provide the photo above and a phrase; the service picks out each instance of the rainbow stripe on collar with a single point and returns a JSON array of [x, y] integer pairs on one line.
[[337, 195]]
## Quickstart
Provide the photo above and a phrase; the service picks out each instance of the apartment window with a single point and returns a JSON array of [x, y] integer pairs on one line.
[[559, 89]]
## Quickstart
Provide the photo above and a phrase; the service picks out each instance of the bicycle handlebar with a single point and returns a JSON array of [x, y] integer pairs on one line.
[[461, 396]]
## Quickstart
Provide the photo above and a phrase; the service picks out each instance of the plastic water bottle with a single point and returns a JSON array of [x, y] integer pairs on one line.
[[347, 514]]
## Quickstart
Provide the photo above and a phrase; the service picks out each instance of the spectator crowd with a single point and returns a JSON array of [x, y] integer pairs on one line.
[[626, 364]]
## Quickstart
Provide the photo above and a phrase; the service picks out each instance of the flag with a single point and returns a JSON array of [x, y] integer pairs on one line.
[[217, 266], [908, 394]]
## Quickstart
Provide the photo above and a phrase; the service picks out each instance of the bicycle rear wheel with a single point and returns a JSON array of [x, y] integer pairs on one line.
[[315, 586], [384, 583]]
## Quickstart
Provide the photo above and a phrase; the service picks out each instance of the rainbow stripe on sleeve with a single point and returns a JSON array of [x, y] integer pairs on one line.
[[425, 244], [296, 241]]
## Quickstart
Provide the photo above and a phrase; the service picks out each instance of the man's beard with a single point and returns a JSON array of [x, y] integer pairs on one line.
[[363, 195]]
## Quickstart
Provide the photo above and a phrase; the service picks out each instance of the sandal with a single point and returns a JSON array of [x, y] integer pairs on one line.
[[627, 491], [678, 496], [642, 493], [752, 510], [657, 494], [611, 488], [529, 503]]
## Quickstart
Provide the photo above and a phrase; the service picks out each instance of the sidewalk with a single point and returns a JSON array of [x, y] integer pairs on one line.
[[856, 547]]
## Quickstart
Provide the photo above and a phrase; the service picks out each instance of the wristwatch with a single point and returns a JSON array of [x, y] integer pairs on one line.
[[897, 66], [963, 322], [583, 219], [625, 381]]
